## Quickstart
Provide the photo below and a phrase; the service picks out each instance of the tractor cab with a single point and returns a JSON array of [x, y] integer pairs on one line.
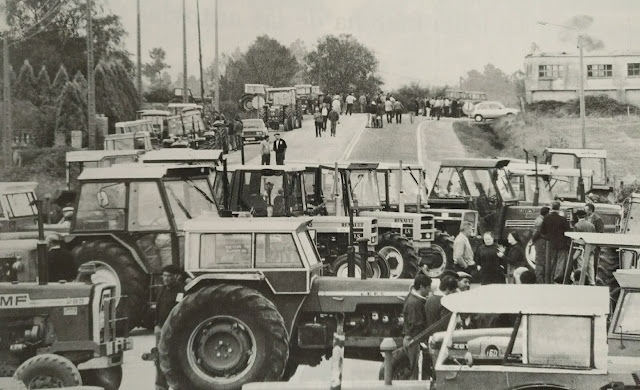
[[413, 180], [624, 327], [76, 161], [585, 160], [158, 119], [525, 181], [186, 156], [16, 208], [477, 184], [140, 141]]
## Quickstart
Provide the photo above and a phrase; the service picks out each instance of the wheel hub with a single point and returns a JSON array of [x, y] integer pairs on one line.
[[394, 259], [435, 260], [223, 348]]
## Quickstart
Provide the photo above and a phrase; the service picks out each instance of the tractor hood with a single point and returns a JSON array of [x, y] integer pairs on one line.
[[331, 294]]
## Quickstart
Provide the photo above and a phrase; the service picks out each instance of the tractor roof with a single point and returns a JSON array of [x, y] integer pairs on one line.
[[136, 122], [628, 278], [279, 168], [580, 153], [141, 171], [97, 155], [395, 165], [531, 299], [182, 155], [213, 223], [154, 113], [610, 239], [475, 163], [529, 169], [281, 89], [14, 187]]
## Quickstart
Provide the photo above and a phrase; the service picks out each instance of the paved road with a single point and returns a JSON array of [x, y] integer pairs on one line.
[[424, 141]]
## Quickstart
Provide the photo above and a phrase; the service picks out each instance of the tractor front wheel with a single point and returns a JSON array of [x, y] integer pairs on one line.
[[340, 267], [48, 371], [399, 254], [436, 257], [222, 337]]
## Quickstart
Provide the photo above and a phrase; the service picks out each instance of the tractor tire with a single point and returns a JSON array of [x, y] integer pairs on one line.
[[437, 257], [239, 325], [399, 254], [340, 267], [115, 265], [108, 378], [48, 371], [289, 370], [608, 263]]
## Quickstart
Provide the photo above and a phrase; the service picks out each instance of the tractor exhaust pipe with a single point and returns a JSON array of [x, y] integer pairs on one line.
[[400, 190], [536, 193]]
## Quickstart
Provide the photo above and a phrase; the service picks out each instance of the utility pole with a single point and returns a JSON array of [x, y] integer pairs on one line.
[[139, 72], [185, 91], [216, 68], [200, 52], [582, 105], [91, 82], [7, 139]]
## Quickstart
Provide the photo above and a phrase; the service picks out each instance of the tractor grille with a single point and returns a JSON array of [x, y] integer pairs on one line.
[[427, 227]]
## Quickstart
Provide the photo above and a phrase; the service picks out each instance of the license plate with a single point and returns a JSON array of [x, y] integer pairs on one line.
[[459, 346]]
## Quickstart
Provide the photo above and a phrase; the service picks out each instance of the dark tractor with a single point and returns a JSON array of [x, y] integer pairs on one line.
[[258, 307], [282, 106], [129, 223]]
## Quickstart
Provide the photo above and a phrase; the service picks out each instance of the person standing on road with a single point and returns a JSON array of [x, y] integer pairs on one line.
[[439, 107], [462, 259], [415, 318], [363, 103], [170, 295], [552, 229], [491, 270], [380, 111], [280, 147], [447, 107], [325, 115], [317, 119], [388, 109], [334, 117], [327, 99], [398, 108], [335, 105], [594, 218], [454, 109], [237, 128], [350, 100], [265, 151], [231, 132], [371, 113]]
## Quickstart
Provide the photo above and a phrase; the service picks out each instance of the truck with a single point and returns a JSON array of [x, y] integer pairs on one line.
[[282, 106], [258, 306]]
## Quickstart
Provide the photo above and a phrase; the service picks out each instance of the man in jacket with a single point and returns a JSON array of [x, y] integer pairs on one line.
[[169, 296], [415, 318], [594, 218], [553, 228], [462, 251], [280, 147]]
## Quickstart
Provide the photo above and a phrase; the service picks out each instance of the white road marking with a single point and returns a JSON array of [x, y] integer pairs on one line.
[[352, 144], [419, 141]]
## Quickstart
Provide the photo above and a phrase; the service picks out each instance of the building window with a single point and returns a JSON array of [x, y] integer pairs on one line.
[[599, 71], [548, 71], [633, 69]]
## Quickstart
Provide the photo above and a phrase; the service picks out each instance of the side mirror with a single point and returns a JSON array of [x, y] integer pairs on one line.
[[468, 359], [628, 259], [103, 199]]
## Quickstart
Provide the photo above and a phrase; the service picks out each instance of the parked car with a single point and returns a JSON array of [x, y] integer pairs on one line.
[[254, 130], [491, 110]]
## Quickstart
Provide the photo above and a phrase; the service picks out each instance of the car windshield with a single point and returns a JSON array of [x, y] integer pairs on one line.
[[364, 188], [257, 124], [189, 199]]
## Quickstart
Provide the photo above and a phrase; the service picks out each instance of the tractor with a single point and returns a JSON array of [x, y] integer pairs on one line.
[[281, 191], [128, 222], [56, 334], [258, 306], [282, 106]]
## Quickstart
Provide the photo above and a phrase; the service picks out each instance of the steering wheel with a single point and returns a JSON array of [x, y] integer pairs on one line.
[[493, 198]]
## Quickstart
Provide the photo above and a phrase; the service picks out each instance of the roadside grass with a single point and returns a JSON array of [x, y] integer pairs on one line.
[[620, 136]]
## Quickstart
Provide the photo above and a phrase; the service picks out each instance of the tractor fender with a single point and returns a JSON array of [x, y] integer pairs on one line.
[[207, 279], [128, 247]]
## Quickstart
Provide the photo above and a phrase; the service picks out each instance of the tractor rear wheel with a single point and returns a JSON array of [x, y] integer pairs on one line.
[[115, 265], [48, 371], [340, 267], [436, 257], [399, 254], [608, 263], [108, 378], [222, 337]]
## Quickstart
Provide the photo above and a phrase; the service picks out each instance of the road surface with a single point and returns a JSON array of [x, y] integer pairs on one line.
[[424, 142]]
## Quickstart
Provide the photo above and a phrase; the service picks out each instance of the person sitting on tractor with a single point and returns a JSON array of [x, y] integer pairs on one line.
[[170, 295]]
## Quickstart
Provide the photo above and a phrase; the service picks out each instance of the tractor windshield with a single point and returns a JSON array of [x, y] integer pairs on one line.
[[628, 321], [20, 205], [189, 199], [364, 189], [272, 193], [448, 184], [410, 186], [597, 165]]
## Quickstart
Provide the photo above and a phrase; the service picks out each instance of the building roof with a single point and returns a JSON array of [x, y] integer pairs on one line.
[[475, 162], [97, 155], [599, 53], [211, 222], [184, 155], [14, 187], [531, 299], [612, 239], [580, 153], [142, 171]]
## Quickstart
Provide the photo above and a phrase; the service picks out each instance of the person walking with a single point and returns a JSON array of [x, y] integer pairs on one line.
[[363, 103], [447, 107], [552, 229], [380, 112], [327, 99], [237, 128], [398, 108], [350, 101], [265, 151], [415, 318], [170, 295], [515, 257], [491, 270], [280, 147], [594, 218], [388, 109], [372, 108], [432, 107], [325, 115], [317, 119], [334, 116], [336, 105], [462, 259], [412, 107]]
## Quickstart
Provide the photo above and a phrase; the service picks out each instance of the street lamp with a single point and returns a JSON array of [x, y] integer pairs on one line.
[[582, 105]]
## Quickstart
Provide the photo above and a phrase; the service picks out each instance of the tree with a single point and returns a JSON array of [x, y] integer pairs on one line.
[[267, 61], [153, 70], [43, 87], [494, 82], [341, 64], [25, 85], [61, 79], [299, 51], [71, 114]]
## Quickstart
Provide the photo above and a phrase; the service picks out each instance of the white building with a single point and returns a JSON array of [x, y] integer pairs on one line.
[[556, 76]]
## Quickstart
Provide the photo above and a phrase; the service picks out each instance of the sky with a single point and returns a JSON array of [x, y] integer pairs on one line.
[[432, 42]]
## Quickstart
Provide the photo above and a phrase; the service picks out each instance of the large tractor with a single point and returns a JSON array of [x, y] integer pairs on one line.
[[129, 223], [282, 106], [258, 306]]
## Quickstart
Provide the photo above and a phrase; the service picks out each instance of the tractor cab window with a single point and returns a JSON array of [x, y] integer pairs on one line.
[[628, 321], [188, 199], [364, 188], [331, 185], [101, 206], [225, 251], [479, 183], [264, 194], [597, 165], [146, 210], [410, 186], [218, 188], [20, 205], [277, 251], [519, 187], [309, 248], [294, 181], [564, 161], [504, 186], [448, 184]]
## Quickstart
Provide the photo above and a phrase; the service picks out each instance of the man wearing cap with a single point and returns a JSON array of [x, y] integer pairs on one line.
[[464, 281], [169, 296], [280, 147], [415, 318], [67, 215]]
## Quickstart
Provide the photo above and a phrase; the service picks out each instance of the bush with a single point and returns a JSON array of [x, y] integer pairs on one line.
[[596, 106], [162, 95], [46, 166]]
